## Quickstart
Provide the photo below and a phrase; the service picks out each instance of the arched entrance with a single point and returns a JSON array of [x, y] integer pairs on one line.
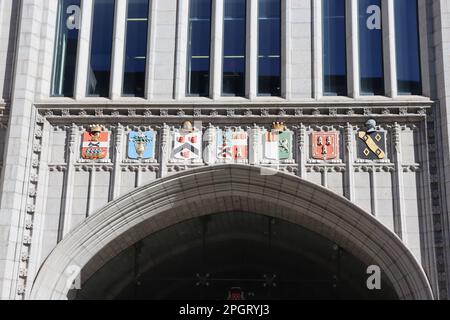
[[214, 195]]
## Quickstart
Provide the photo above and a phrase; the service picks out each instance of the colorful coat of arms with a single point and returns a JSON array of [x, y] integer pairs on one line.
[[187, 143], [95, 143], [232, 145], [141, 145], [371, 144], [325, 145], [277, 143]]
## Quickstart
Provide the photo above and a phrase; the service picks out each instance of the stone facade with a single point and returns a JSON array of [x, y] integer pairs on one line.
[[48, 189]]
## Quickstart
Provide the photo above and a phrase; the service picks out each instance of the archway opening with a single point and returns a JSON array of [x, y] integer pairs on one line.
[[233, 255]]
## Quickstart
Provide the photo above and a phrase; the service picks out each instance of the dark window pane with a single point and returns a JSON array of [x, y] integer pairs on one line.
[[199, 47], [136, 48], [334, 48], [407, 47], [101, 47], [234, 48], [371, 47], [269, 51], [66, 46]]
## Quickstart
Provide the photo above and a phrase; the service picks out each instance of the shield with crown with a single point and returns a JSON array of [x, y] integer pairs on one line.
[[95, 143], [277, 143]]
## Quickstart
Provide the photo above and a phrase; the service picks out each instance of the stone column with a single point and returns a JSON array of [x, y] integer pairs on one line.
[[349, 159], [181, 49], [118, 48], [302, 151], [82, 70], [164, 150], [117, 172], [17, 173], [216, 49], [389, 49], [72, 154], [254, 144], [251, 79], [399, 196], [352, 48]]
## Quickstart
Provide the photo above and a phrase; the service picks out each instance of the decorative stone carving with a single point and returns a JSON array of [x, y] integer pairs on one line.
[[209, 154], [277, 144], [333, 112], [186, 144], [197, 112], [403, 111]]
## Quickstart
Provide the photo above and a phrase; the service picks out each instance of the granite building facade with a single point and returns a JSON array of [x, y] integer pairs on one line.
[[126, 122]]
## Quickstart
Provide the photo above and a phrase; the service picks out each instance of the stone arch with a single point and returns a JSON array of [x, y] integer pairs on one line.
[[207, 190]]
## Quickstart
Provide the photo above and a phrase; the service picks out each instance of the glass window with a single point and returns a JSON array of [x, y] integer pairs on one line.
[[136, 48], [371, 47], [66, 46], [334, 48], [407, 47], [269, 48], [101, 48], [234, 33], [199, 47]]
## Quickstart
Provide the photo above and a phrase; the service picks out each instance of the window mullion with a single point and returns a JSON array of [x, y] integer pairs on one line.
[[118, 48], [83, 49]]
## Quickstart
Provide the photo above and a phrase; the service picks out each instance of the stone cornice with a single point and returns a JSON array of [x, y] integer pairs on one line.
[[411, 112]]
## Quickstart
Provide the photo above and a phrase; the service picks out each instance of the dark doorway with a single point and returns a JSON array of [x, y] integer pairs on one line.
[[233, 255]]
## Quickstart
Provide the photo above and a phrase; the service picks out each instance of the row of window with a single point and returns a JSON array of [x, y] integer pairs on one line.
[[198, 74], [235, 49], [370, 36]]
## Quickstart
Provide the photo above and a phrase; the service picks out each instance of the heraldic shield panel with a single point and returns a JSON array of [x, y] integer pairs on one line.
[[277, 144], [141, 145], [232, 146], [371, 143], [187, 143], [95, 143], [325, 145]]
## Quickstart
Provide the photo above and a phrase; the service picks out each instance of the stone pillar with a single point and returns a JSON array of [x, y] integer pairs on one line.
[[82, 70], [251, 79], [399, 196], [117, 172], [254, 144], [216, 49], [389, 50], [118, 48], [164, 150], [181, 49], [72, 154], [209, 154], [352, 48], [17, 174], [349, 159], [302, 151]]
